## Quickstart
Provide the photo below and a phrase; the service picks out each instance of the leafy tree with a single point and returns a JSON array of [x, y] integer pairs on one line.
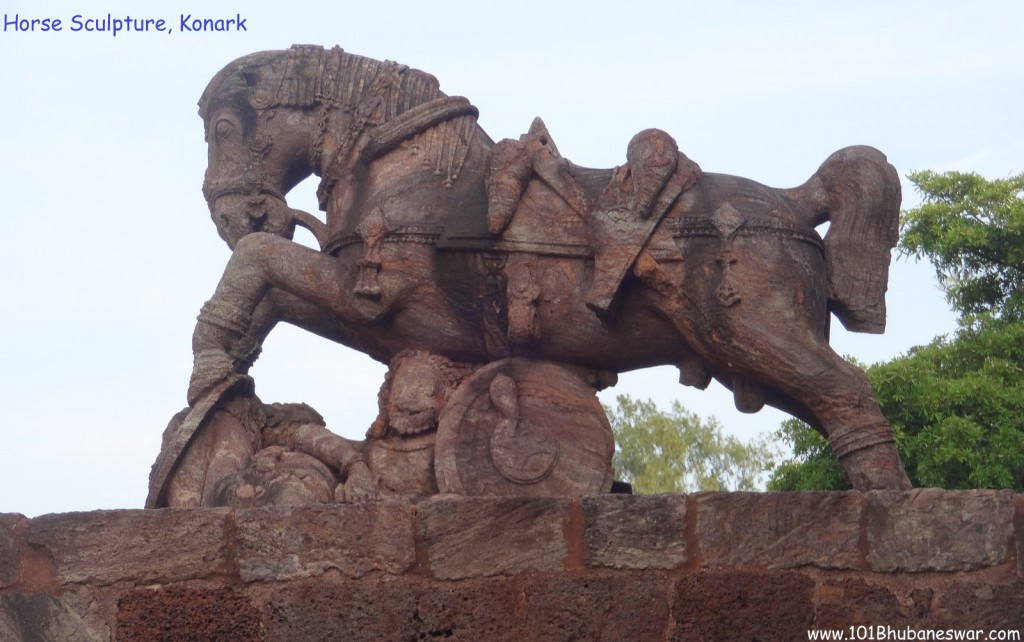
[[813, 467], [956, 405], [676, 451], [972, 230]]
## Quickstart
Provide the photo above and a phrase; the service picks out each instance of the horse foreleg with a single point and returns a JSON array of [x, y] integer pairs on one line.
[[267, 279]]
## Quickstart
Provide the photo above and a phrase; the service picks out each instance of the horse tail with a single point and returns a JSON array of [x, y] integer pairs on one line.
[[859, 193]]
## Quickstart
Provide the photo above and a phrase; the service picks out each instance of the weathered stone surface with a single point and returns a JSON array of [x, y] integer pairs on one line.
[[934, 530], [472, 537], [10, 551], [381, 608], [103, 547], [327, 608], [76, 616], [623, 606], [635, 531], [854, 602], [286, 542], [476, 569], [1018, 523], [779, 530], [179, 613], [331, 608], [478, 609], [733, 605], [982, 604], [507, 431]]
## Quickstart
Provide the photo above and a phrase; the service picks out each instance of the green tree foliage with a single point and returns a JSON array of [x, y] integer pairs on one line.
[[958, 408], [676, 451], [957, 404], [972, 230], [812, 466]]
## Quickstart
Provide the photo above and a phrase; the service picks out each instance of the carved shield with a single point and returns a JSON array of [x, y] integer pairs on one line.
[[523, 427]]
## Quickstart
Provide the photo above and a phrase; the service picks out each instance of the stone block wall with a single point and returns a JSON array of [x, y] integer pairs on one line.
[[709, 566]]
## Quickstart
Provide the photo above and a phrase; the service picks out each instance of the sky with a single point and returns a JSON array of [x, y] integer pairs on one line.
[[109, 250]]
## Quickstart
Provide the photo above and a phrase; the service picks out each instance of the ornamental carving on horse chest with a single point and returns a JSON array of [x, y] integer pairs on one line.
[[504, 285]]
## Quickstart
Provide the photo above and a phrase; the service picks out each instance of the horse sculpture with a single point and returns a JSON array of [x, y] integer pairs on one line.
[[504, 285]]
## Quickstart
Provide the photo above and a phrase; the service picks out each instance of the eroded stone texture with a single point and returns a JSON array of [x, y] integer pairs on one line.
[[76, 616], [779, 530], [736, 605], [623, 606], [852, 602], [642, 531], [484, 569], [180, 613], [10, 551], [289, 542], [324, 609], [477, 609], [382, 608], [935, 530], [467, 537], [982, 604], [1018, 523], [104, 547], [519, 427]]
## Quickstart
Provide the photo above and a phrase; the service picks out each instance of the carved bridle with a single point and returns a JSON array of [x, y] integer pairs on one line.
[[369, 92], [251, 183]]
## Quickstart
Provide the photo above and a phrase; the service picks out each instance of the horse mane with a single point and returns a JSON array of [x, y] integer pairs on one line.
[[312, 75]]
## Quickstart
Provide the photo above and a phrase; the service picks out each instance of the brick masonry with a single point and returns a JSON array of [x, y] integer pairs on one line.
[[709, 566]]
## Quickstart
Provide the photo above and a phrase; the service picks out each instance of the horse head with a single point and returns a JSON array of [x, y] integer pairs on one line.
[[259, 145]]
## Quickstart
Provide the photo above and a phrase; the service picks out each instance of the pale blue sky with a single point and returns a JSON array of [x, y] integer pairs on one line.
[[111, 252]]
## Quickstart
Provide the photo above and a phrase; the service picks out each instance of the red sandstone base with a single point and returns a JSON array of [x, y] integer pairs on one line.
[[710, 566]]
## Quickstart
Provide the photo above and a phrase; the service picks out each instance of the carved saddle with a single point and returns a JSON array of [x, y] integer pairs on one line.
[[539, 202]]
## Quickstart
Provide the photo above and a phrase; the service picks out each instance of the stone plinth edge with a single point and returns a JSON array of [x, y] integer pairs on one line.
[[707, 566]]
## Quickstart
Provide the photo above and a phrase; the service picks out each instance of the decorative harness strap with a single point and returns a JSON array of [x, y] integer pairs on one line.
[[415, 121], [386, 136]]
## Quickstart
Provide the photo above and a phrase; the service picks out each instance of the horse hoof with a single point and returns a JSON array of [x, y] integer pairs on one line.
[[876, 468], [881, 480]]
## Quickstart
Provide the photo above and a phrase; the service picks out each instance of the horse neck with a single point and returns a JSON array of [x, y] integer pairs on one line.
[[373, 106]]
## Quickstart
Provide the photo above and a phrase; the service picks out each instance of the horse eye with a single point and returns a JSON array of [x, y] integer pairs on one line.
[[222, 129]]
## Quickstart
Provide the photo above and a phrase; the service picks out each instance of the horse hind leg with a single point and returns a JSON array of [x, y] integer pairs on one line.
[[858, 433], [790, 359], [838, 396]]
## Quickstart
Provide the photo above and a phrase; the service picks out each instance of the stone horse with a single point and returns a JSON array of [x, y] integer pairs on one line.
[[505, 255]]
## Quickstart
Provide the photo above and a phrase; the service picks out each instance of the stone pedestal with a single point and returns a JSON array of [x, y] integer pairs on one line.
[[710, 566]]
